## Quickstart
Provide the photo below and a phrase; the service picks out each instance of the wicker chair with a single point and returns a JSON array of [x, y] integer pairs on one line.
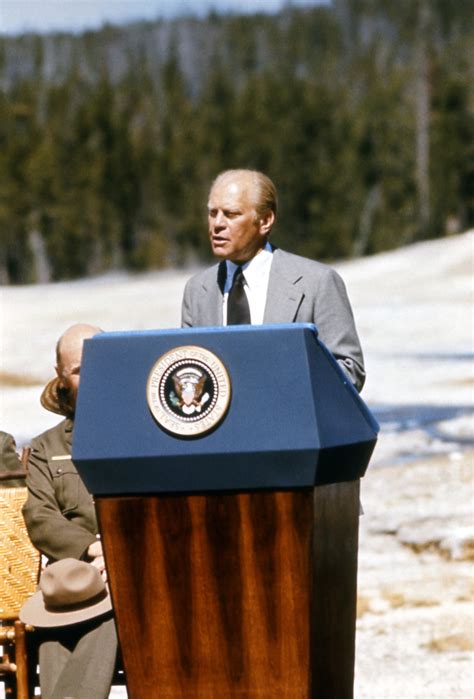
[[20, 565]]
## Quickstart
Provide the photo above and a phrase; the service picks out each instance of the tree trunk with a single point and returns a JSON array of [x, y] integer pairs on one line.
[[422, 109]]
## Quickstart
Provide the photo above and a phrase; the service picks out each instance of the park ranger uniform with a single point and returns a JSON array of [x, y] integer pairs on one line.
[[78, 660]]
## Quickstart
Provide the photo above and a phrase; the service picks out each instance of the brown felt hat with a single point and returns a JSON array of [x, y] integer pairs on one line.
[[55, 398], [70, 591]]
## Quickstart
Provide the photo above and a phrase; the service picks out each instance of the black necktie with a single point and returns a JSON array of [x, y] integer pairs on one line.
[[238, 311]]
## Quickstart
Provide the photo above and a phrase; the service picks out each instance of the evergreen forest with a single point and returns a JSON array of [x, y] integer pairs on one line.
[[361, 111]]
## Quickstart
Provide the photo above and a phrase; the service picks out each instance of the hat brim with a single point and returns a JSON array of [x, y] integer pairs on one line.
[[52, 400], [35, 613]]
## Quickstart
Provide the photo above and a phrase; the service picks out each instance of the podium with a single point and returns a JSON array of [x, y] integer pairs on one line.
[[225, 467]]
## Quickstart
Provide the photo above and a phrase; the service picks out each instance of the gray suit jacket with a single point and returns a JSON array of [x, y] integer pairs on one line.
[[299, 291]]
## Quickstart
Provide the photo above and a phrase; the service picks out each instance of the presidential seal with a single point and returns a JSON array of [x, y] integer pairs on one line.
[[188, 391]]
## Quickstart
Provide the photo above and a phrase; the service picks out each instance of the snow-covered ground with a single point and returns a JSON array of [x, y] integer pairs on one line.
[[413, 309]]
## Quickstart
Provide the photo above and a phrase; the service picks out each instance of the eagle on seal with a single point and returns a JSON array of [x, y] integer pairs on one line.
[[189, 385]]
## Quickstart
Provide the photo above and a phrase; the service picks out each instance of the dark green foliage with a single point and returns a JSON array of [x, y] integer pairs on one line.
[[361, 112]]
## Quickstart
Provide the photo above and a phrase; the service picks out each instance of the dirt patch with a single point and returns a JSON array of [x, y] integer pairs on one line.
[[14, 379], [453, 642]]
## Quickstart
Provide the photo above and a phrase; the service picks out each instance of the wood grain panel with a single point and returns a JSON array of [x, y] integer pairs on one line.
[[214, 594], [336, 533]]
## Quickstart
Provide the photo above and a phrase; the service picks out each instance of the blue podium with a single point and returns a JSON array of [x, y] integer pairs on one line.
[[225, 466]]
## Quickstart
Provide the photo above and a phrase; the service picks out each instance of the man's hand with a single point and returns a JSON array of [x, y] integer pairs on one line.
[[95, 552], [95, 549]]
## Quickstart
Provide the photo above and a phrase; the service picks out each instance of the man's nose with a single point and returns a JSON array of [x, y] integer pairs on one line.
[[219, 219]]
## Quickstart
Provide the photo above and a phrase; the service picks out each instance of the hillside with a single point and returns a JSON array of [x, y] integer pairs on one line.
[[359, 111]]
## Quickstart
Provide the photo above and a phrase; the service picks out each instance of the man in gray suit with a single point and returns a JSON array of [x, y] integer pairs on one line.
[[257, 283]]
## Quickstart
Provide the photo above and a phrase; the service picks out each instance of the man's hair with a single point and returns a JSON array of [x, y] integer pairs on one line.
[[265, 191]]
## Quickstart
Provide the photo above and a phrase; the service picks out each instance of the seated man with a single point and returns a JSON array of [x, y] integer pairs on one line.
[[11, 469], [60, 516]]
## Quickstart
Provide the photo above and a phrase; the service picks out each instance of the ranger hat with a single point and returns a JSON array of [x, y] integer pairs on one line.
[[70, 591], [56, 399]]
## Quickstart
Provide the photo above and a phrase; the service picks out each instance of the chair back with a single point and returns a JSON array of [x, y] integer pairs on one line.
[[19, 560]]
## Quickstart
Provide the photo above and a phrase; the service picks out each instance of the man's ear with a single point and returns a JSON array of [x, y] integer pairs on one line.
[[266, 222], [59, 375]]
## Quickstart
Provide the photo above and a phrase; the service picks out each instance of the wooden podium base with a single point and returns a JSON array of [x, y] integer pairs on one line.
[[235, 595]]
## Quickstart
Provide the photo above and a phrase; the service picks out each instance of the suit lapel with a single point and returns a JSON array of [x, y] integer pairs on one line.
[[283, 296], [211, 307]]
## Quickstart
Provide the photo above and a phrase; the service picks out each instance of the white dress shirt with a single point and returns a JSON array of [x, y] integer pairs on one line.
[[256, 275]]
